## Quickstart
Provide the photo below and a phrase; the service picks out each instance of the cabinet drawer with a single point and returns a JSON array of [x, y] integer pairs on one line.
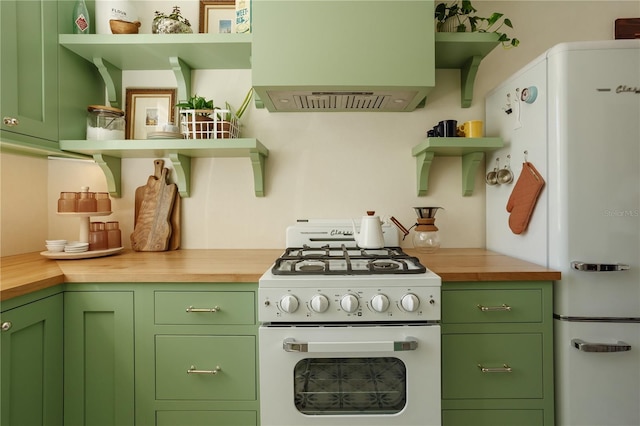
[[491, 306], [199, 418], [235, 355], [463, 355], [492, 417], [207, 307]]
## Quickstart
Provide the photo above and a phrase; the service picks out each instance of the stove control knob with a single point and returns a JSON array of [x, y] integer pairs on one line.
[[349, 303], [410, 302], [380, 303], [289, 303], [319, 303]]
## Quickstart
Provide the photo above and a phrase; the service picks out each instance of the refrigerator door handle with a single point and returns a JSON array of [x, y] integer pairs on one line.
[[598, 267], [583, 346]]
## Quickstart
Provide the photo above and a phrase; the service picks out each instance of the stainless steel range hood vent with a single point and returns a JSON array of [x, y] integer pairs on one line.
[[348, 55], [339, 101]]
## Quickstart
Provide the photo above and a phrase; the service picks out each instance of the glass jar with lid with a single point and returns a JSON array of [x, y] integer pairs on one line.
[[105, 123]]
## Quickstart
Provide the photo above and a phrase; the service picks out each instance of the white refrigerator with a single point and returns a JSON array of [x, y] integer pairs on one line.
[[574, 113]]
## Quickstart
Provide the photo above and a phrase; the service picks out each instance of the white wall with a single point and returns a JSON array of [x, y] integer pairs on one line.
[[336, 165]]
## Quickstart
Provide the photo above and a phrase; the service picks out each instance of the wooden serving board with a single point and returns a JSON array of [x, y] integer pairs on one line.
[[176, 233], [153, 226]]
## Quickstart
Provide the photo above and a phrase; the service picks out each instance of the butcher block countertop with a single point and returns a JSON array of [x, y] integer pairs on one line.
[[26, 273]]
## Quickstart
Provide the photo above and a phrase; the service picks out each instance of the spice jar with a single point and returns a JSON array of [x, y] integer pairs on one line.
[[105, 123], [97, 236], [103, 202], [87, 200], [68, 202], [114, 236]]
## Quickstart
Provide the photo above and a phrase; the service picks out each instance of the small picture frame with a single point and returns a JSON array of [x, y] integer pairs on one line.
[[218, 16], [148, 110]]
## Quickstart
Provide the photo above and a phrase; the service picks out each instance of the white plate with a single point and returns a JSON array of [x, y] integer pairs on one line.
[[83, 255]]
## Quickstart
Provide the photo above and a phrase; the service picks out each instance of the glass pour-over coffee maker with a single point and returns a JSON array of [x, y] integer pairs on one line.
[[425, 237]]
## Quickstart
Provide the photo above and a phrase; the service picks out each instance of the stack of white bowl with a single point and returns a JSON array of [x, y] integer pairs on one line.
[[55, 245], [76, 247]]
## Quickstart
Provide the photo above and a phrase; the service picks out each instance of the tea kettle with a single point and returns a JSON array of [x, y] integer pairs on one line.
[[370, 235]]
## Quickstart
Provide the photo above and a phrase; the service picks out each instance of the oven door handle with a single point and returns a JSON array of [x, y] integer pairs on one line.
[[291, 345]]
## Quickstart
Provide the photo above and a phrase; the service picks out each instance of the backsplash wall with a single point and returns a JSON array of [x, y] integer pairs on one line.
[[330, 165]]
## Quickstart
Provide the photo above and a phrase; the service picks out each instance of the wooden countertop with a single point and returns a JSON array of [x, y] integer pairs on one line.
[[26, 273]]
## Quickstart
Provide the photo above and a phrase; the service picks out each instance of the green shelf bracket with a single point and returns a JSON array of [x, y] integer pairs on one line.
[[471, 150], [470, 163], [258, 164], [258, 102], [182, 166], [111, 167], [112, 77], [423, 161], [182, 72], [467, 80]]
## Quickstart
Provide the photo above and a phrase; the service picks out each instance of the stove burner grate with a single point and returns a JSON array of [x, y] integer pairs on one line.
[[346, 261]]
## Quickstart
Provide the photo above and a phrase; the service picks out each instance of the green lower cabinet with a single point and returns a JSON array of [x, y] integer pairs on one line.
[[31, 362], [99, 358], [206, 367], [497, 354], [209, 418], [493, 417]]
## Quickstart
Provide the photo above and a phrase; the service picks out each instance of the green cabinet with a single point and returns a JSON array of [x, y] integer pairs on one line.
[[29, 69], [31, 360], [497, 353], [99, 358], [196, 354]]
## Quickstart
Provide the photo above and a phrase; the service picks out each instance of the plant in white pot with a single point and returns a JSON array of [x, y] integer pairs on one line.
[[172, 23], [460, 16], [201, 119]]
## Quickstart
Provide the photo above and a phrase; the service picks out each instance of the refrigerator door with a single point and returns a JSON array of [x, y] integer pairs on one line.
[[597, 388], [593, 184]]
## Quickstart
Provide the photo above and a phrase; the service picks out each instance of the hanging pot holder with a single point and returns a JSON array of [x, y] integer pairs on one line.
[[524, 197]]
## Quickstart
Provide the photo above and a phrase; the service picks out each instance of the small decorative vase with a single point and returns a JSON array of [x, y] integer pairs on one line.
[[169, 26], [450, 25]]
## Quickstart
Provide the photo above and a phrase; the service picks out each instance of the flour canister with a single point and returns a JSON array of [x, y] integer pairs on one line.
[[106, 10]]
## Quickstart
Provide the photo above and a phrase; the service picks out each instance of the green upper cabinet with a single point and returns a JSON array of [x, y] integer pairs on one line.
[[45, 88], [29, 67], [354, 55]]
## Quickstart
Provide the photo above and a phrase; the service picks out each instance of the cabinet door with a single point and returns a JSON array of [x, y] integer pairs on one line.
[[492, 417], [199, 418], [32, 363], [99, 358], [30, 67]]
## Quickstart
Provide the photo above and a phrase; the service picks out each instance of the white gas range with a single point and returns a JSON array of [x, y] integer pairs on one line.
[[348, 335]]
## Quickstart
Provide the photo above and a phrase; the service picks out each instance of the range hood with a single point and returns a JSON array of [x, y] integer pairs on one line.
[[347, 55]]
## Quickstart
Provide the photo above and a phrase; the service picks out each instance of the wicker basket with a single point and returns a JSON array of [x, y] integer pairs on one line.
[[207, 124]]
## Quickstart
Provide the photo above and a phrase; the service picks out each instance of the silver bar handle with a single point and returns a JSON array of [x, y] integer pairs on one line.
[[193, 370], [583, 346], [214, 309], [599, 267], [290, 345], [504, 369], [503, 307]]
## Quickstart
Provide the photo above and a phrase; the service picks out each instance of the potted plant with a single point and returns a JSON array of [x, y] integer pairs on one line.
[[460, 16], [173, 23], [201, 119]]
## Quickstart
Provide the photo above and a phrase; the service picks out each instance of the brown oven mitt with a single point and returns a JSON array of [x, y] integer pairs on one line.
[[524, 197]]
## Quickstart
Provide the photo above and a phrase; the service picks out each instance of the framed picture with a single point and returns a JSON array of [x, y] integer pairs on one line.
[[147, 110], [218, 16]]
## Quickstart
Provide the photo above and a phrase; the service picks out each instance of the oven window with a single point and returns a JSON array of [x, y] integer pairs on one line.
[[326, 386]]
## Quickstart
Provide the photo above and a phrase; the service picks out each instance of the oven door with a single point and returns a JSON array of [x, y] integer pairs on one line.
[[363, 374]]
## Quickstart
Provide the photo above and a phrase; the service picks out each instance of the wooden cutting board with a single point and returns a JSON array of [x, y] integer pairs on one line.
[[176, 233], [153, 226]]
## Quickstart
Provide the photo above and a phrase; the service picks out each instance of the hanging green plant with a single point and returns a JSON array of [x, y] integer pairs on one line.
[[460, 16]]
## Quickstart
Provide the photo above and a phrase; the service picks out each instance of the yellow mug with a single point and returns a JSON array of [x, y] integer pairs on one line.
[[471, 129]]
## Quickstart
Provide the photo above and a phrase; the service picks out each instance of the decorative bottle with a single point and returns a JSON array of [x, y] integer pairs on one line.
[[81, 22]]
